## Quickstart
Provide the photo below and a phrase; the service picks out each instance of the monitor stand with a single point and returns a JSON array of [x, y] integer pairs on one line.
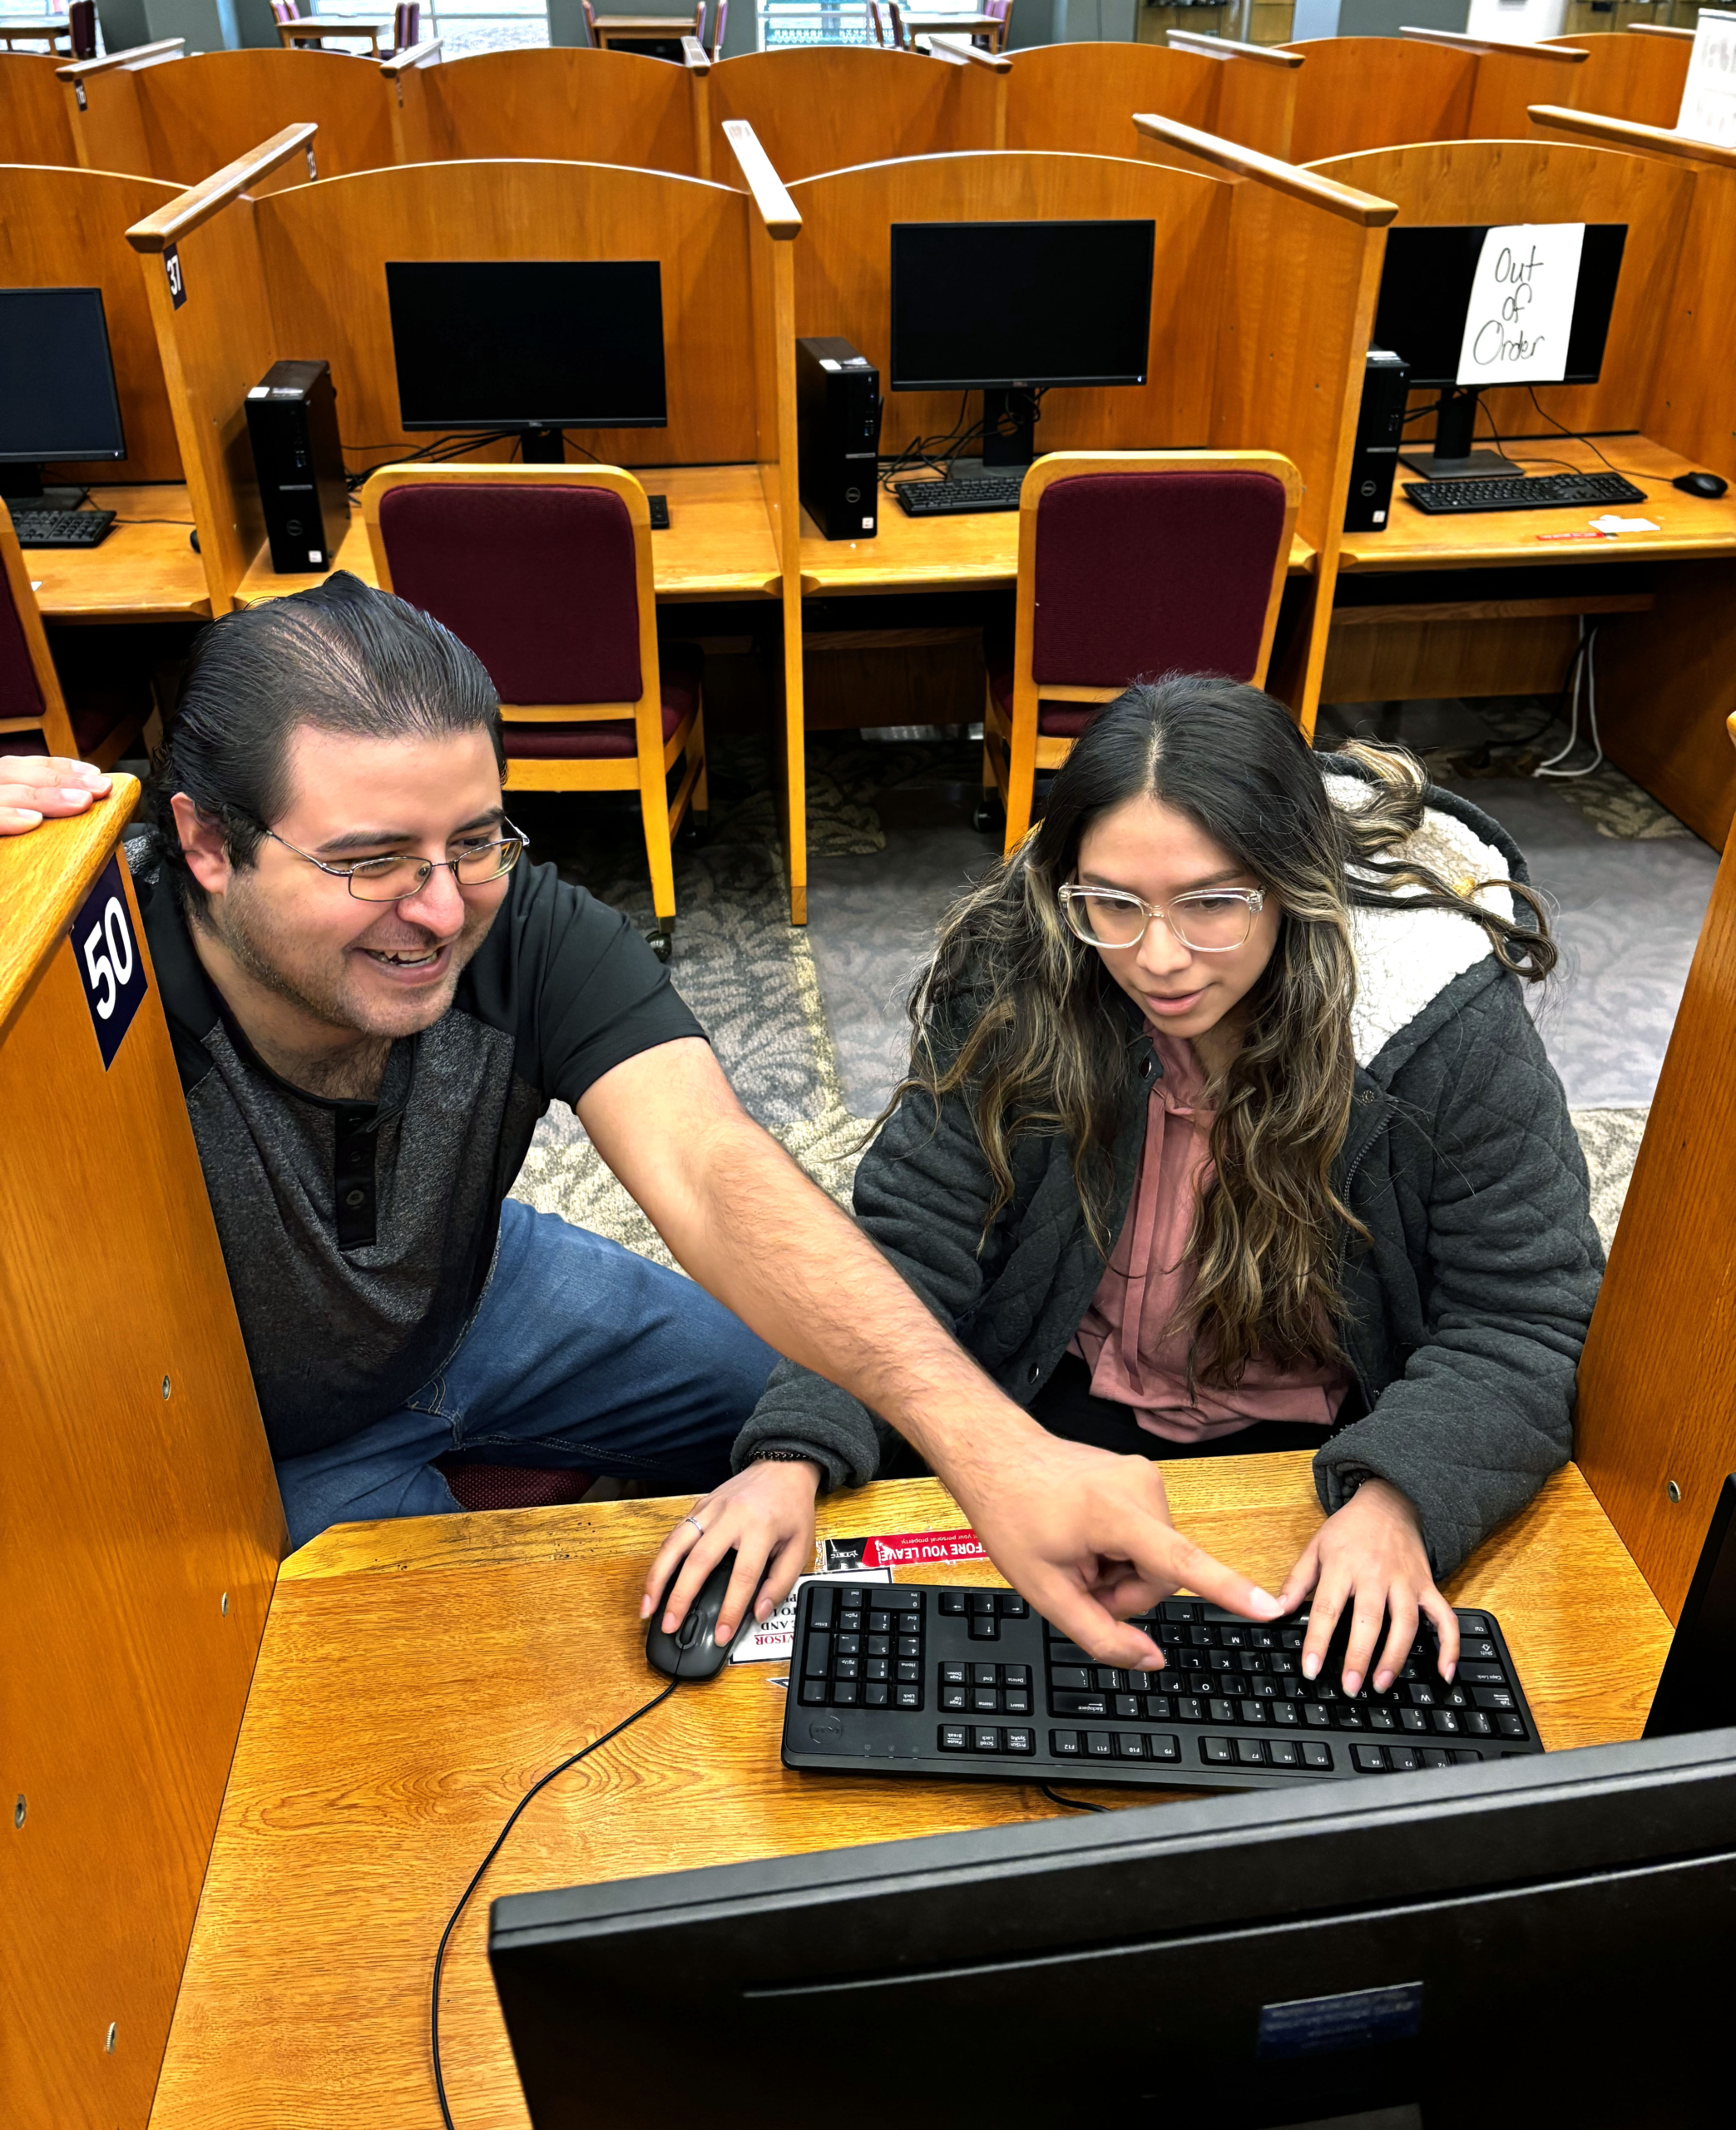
[[543, 447], [1009, 436], [1453, 458], [22, 481]]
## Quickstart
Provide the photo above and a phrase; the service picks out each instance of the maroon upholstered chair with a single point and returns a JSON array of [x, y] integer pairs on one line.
[[1131, 564], [406, 28], [995, 39], [31, 700], [512, 1486], [546, 572]]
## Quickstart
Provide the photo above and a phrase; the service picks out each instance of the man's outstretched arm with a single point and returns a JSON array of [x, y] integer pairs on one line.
[[1085, 1536]]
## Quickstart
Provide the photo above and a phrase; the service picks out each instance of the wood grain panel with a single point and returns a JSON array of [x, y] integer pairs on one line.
[[567, 102], [842, 279], [324, 249], [34, 127], [145, 570], [109, 132], [215, 105], [828, 108], [1658, 1381], [1508, 80], [1358, 92], [141, 1530], [1080, 98], [1423, 657], [1538, 180], [284, 2019], [66, 228], [1628, 76]]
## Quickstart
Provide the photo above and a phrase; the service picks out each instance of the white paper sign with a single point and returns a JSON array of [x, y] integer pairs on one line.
[[1521, 314], [1708, 95], [774, 1640]]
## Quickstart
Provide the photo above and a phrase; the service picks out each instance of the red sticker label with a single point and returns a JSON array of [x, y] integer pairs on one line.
[[919, 1548]]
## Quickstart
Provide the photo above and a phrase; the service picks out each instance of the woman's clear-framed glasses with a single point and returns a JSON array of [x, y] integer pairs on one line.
[[394, 879], [1209, 921]]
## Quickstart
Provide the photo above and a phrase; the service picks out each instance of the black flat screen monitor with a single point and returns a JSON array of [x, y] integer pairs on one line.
[[57, 397], [1425, 291], [531, 344], [998, 305]]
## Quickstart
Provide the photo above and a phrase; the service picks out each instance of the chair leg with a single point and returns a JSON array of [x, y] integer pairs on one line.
[[660, 856], [1021, 782], [701, 804], [983, 820]]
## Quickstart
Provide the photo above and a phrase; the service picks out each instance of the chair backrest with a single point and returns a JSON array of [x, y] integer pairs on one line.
[[1146, 571], [29, 686], [873, 16], [81, 21], [590, 22], [1002, 11], [539, 578], [285, 10], [721, 25], [897, 25], [406, 24]]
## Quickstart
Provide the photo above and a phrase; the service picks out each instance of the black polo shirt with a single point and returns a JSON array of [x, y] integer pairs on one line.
[[358, 1236]]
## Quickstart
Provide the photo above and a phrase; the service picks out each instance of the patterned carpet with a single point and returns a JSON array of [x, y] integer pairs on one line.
[[751, 978]]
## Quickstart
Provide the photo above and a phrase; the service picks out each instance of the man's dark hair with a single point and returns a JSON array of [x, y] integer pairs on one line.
[[339, 656]]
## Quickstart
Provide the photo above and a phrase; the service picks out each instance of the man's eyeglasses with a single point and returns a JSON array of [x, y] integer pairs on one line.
[[1210, 921], [392, 880]]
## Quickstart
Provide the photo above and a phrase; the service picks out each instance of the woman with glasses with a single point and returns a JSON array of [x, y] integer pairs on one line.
[[1226, 1129]]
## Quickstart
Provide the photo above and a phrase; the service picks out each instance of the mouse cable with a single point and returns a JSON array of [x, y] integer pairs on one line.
[[1072, 1803], [451, 1923]]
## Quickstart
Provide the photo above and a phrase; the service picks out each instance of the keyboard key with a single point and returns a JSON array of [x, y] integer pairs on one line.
[[1224, 1660], [985, 1675], [1510, 1726], [1462, 1756], [981, 1602], [1109, 1681], [1016, 1675], [955, 1698], [1477, 1723], [1068, 1652], [1282, 1753], [1493, 1698], [910, 1645], [1079, 1704], [1099, 1746], [1021, 1738], [1368, 1760], [1348, 1716], [876, 1694], [1472, 1623], [1316, 1754], [895, 1600], [1403, 1758], [817, 1657], [1217, 1752], [1158, 1709], [1159, 1747], [1016, 1701], [1422, 1697], [1435, 1755], [1011, 1606], [1130, 1745], [878, 1645], [875, 1668], [847, 1667], [952, 1602], [985, 1627], [880, 1624], [1179, 1610], [907, 1696], [813, 1693], [1063, 1744], [984, 1738], [1475, 1653], [955, 1675], [910, 1675], [1250, 1752], [1189, 1710], [1221, 1711], [986, 1701], [1284, 1713], [844, 1693], [1316, 1717], [1413, 1719], [848, 1644], [1252, 1711], [1127, 1705], [819, 1610], [852, 1601], [1382, 1719], [954, 1738], [1446, 1721]]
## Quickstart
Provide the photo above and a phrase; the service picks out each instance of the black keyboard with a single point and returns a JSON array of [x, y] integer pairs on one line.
[[908, 1679], [61, 528], [957, 498], [1547, 491]]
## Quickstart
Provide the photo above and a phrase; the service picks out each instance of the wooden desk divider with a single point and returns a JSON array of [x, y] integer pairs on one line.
[[1665, 677], [568, 103], [1637, 74], [819, 107], [66, 228], [142, 1528], [1358, 93], [1656, 1427], [34, 127], [1074, 97], [179, 121]]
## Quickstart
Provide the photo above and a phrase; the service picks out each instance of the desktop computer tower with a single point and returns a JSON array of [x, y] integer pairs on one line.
[[837, 423], [1379, 433], [292, 424]]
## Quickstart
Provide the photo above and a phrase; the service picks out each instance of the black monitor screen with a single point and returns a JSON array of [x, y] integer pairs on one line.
[[1426, 287], [521, 345], [56, 381], [994, 304]]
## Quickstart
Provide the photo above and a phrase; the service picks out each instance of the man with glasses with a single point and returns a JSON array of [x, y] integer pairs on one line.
[[374, 996]]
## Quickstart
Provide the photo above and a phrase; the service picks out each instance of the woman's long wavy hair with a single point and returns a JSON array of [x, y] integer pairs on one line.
[[1021, 1017]]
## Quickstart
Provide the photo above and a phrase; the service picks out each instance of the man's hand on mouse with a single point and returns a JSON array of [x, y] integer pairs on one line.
[[766, 1513]]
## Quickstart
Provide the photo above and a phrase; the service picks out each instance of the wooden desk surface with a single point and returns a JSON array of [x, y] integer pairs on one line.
[[416, 1677], [977, 552], [718, 544], [1690, 527], [146, 570]]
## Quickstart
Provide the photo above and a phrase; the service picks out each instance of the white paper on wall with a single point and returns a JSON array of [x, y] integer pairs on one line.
[[1520, 312], [1708, 95]]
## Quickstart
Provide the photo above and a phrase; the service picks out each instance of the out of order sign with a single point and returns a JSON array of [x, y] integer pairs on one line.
[[110, 966]]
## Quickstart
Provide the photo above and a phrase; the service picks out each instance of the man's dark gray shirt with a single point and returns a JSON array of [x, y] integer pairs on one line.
[[358, 1236]]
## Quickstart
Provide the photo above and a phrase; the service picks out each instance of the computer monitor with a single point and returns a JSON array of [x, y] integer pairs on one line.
[[57, 397], [530, 346], [1425, 291], [1011, 308]]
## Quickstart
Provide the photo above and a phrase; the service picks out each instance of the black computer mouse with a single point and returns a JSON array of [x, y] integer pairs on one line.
[[1709, 485], [691, 1653]]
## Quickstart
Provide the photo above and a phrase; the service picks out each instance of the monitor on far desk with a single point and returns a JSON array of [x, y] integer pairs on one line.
[[529, 347], [1011, 309], [57, 397]]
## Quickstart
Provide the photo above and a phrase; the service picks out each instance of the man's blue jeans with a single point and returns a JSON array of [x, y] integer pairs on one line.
[[580, 1354]]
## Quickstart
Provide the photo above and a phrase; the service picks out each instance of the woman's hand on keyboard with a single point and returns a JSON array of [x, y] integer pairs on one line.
[[766, 1513], [35, 788], [1370, 1555]]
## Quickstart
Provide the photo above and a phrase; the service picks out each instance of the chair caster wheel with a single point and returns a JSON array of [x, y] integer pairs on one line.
[[662, 944], [983, 820]]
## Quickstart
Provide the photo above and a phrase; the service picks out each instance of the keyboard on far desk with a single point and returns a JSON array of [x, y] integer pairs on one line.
[[61, 528], [957, 498], [909, 1680], [1517, 492]]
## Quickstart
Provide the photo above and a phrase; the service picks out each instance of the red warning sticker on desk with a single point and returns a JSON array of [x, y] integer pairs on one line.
[[902, 1549]]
